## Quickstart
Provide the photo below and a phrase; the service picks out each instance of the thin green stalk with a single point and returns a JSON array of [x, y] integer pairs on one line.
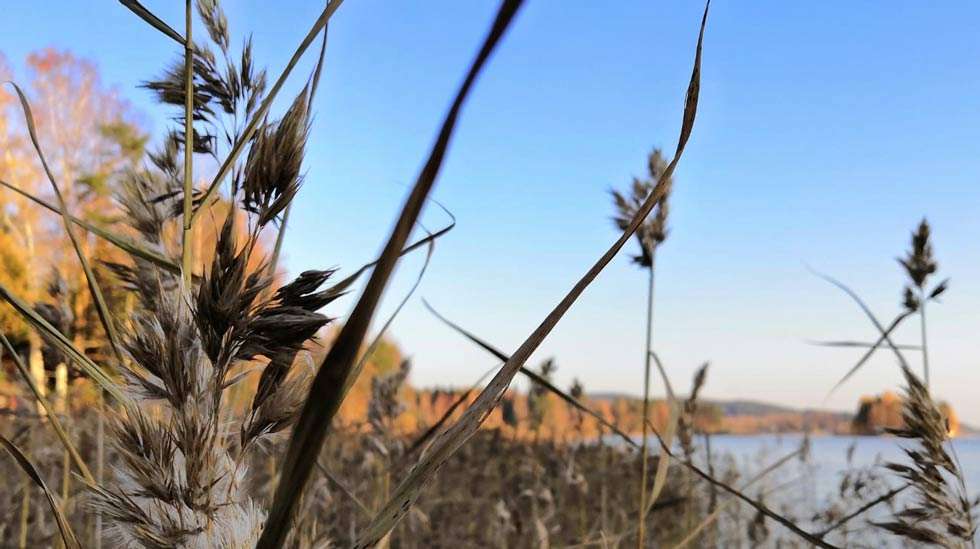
[[647, 354], [99, 464], [187, 255], [66, 458], [925, 348], [25, 505]]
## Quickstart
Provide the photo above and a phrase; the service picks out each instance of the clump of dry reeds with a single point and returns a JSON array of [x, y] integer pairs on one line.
[[942, 513]]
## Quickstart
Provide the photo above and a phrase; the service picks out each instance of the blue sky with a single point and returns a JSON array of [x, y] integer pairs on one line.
[[826, 131]]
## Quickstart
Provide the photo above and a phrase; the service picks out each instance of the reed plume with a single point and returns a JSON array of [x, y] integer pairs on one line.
[[941, 513], [920, 265], [180, 477]]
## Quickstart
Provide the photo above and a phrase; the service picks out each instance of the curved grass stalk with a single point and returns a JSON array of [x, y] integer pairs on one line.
[[356, 371], [49, 410], [64, 527], [93, 284], [123, 243], [758, 506], [57, 339], [663, 463], [535, 377]]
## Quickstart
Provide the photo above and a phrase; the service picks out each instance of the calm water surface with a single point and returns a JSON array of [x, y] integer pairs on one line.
[[802, 488]]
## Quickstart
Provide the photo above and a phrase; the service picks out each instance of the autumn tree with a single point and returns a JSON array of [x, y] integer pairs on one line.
[[89, 135]]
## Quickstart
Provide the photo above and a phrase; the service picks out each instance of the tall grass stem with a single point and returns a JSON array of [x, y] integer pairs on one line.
[[187, 250], [647, 355]]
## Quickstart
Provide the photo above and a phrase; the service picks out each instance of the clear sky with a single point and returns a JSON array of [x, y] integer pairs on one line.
[[826, 131]]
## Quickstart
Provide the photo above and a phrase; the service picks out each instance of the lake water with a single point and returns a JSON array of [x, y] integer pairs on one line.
[[806, 487]]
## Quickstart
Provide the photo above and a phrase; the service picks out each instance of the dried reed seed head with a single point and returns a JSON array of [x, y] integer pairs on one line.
[[147, 450], [215, 89], [166, 157], [653, 231], [145, 211], [385, 405], [700, 376], [227, 296], [178, 484], [278, 330], [164, 347], [910, 300], [941, 514], [919, 262], [170, 87], [277, 405], [686, 422], [272, 170], [939, 289], [285, 323], [253, 83], [215, 21]]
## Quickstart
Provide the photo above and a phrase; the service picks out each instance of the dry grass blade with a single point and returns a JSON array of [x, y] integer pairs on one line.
[[67, 535], [663, 464], [327, 388], [93, 284], [57, 339], [448, 442], [872, 348], [49, 410], [432, 237], [256, 120], [864, 509], [119, 241], [344, 489], [359, 367], [714, 515], [431, 431], [315, 83], [154, 21], [884, 333], [862, 345], [758, 506], [534, 376]]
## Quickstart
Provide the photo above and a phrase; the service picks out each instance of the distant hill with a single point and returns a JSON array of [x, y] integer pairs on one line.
[[737, 407], [750, 416]]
